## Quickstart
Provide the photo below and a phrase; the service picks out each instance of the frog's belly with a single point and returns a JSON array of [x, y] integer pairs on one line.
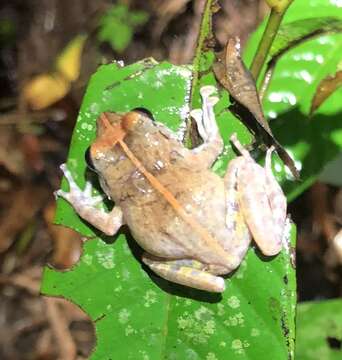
[[161, 230]]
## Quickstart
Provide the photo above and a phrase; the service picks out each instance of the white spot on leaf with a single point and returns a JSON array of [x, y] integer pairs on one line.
[[255, 332], [150, 298], [87, 259], [233, 302], [123, 316], [105, 258], [211, 356]]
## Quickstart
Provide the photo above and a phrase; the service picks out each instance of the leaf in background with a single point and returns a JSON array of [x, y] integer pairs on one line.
[[298, 31], [118, 24], [325, 88], [331, 173], [287, 102], [295, 33], [69, 61], [138, 315], [46, 89], [319, 330], [233, 75]]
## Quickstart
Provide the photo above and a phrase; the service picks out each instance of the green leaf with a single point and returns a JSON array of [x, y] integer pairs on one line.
[[319, 330], [298, 31], [325, 88], [110, 284], [118, 24], [312, 141], [137, 314]]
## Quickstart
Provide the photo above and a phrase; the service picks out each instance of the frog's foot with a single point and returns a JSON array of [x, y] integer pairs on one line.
[[85, 205], [205, 117], [207, 127], [76, 196], [185, 272]]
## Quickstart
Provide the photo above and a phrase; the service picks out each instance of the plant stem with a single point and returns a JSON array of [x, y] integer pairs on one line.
[[191, 138], [268, 36]]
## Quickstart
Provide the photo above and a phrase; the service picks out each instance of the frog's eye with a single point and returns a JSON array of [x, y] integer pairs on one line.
[[145, 112], [89, 160]]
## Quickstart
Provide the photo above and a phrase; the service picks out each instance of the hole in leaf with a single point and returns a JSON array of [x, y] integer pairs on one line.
[[335, 344], [144, 111]]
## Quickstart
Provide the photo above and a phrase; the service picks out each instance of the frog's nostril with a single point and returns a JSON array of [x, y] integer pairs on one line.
[[89, 160]]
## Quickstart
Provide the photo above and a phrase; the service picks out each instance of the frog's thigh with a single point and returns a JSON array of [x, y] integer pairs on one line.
[[257, 211], [239, 235], [185, 272]]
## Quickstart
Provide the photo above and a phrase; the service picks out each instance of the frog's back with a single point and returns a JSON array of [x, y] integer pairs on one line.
[[159, 228]]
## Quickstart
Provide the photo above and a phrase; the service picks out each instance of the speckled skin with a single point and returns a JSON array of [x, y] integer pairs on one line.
[[188, 252]]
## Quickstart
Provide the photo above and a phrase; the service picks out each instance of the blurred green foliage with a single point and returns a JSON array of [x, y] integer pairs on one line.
[[319, 330], [118, 24]]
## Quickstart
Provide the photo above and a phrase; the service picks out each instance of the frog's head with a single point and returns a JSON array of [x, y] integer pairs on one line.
[[104, 154], [114, 127]]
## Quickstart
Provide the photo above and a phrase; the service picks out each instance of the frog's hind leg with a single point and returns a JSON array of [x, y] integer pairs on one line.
[[255, 188], [239, 237], [206, 124], [185, 272]]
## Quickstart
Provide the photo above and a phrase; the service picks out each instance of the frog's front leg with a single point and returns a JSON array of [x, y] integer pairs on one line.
[[207, 127], [185, 272], [85, 206]]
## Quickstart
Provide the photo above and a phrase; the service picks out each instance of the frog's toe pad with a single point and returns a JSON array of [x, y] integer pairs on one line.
[[207, 90]]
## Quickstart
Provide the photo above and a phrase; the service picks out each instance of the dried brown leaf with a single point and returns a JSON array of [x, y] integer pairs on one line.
[[67, 242], [60, 329], [11, 156], [31, 149], [324, 89], [233, 75], [24, 205]]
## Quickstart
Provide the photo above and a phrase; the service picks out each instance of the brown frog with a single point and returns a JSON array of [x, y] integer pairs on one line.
[[192, 224]]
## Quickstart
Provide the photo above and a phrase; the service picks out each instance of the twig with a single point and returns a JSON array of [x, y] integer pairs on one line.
[[204, 35], [15, 117], [278, 9]]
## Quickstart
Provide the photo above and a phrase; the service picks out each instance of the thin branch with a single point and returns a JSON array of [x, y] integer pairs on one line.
[[272, 26]]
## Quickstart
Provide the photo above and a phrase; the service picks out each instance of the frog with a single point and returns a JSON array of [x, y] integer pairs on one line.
[[194, 226]]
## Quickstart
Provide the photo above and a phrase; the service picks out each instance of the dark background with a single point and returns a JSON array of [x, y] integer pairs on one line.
[[34, 143]]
